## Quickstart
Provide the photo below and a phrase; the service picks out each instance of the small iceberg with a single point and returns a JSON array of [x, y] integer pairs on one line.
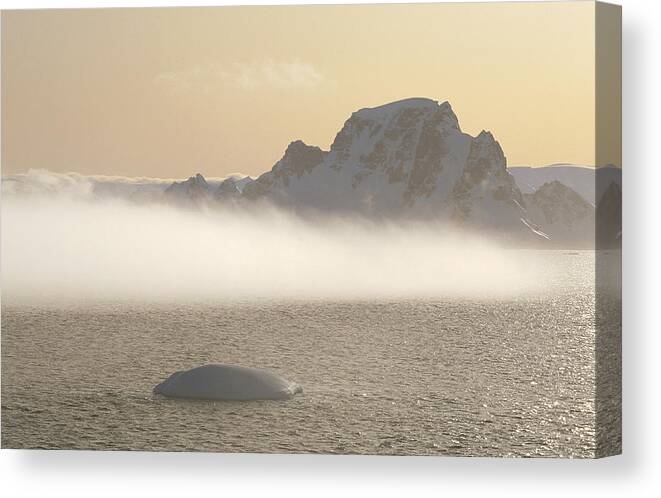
[[222, 382]]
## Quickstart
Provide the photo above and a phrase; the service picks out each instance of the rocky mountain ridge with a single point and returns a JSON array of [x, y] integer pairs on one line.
[[409, 160]]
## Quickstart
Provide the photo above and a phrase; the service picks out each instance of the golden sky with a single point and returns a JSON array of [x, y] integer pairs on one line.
[[168, 92]]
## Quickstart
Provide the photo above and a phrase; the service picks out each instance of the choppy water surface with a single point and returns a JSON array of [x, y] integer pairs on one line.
[[501, 377]]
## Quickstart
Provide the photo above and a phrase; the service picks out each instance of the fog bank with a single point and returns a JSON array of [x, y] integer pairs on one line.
[[61, 246]]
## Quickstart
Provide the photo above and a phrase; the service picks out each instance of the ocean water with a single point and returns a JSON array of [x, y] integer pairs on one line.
[[502, 376]]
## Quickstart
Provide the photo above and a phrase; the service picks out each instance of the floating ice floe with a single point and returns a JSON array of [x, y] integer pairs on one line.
[[227, 383]]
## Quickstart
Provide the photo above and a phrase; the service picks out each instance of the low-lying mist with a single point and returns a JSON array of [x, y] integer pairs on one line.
[[68, 247]]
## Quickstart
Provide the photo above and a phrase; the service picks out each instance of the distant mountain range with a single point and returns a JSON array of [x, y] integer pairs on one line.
[[409, 160], [579, 178]]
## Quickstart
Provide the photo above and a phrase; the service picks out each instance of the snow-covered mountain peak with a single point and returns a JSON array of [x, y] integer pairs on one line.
[[394, 136], [401, 114], [195, 190], [402, 158], [564, 214], [194, 182], [379, 112], [300, 157], [228, 186]]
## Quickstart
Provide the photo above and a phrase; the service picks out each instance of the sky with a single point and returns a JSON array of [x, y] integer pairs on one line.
[[168, 92]]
